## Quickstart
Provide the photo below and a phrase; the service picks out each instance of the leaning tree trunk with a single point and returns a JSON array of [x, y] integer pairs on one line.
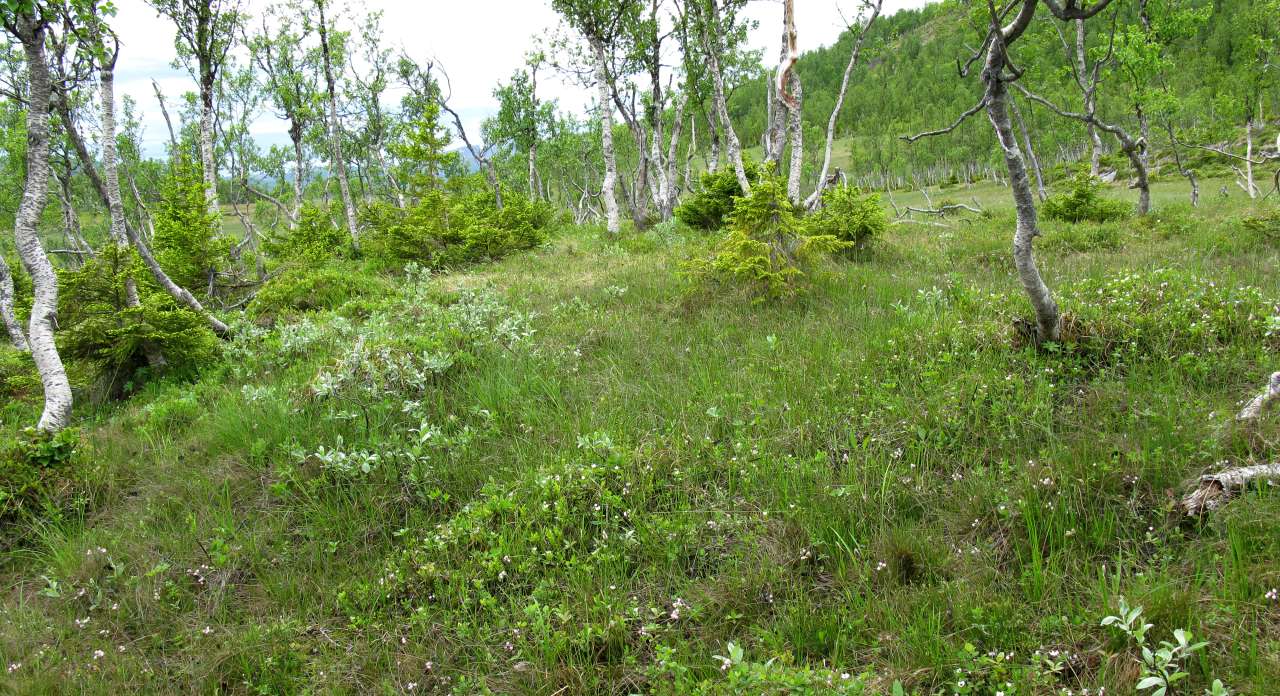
[[816, 197], [44, 352], [335, 133], [16, 336], [1048, 320], [610, 185], [115, 203], [175, 291]]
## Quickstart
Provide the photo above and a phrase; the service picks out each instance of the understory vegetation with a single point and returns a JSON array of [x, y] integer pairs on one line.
[[572, 470]]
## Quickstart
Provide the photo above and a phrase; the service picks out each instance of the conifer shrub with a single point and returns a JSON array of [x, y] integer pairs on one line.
[[314, 239], [101, 329], [188, 242], [18, 377], [765, 247], [444, 229], [1083, 201], [848, 216], [1263, 228], [714, 201], [305, 289]]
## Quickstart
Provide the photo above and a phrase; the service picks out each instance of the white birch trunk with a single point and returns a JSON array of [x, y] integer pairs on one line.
[[11, 325], [208, 166], [1048, 319], [608, 188], [299, 176], [335, 133], [816, 197], [797, 139], [1090, 99], [734, 146], [44, 352], [1248, 159]]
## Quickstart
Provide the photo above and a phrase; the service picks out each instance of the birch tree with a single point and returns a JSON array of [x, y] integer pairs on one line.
[[289, 74], [871, 10], [29, 23], [206, 32], [716, 19], [600, 23], [522, 118], [998, 71], [332, 58]]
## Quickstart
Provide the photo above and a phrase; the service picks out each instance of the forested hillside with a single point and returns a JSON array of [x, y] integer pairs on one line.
[[909, 84], [941, 361]]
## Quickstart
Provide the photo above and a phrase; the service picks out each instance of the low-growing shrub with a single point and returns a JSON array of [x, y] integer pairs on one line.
[[306, 289], [714, 201], [1083, 200], [39, 478], [1264, 227], [848, 216], [314, 239], [764, 248], [18, 377], [98, 325], [442, 230]]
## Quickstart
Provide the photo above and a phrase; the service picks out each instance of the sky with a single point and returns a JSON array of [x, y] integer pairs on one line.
[[479, 42]]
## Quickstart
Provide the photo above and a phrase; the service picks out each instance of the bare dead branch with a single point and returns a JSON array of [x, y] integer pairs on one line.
[[982, 103]]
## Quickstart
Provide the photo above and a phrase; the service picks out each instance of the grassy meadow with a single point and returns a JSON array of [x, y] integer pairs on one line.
[[574, 471]]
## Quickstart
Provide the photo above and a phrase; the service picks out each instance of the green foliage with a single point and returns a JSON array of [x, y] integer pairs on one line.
[[18, 377], [714, 200], [1264, 227], [188, 242], [1083, 201], [848, 216], [99, 327], [764, 248], [442, 230], [310, 288], [315, 239], [39, 477]]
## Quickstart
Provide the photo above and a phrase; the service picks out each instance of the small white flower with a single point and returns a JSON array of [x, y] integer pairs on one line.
[[207, 630], [98, 654]]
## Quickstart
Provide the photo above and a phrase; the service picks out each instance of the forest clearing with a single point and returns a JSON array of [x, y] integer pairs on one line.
[[748, 392]]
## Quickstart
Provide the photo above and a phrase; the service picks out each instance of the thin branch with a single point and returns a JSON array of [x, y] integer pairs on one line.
[[982, 103]]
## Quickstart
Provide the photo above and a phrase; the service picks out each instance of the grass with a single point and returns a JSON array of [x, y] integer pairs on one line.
[[593, 478]]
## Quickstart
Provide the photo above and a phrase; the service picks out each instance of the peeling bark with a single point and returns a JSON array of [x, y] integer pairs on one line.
[[1215, 490], [44, 352], [1253, 410]]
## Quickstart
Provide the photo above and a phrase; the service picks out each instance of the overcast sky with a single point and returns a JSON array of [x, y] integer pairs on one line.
[[479, 42]]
